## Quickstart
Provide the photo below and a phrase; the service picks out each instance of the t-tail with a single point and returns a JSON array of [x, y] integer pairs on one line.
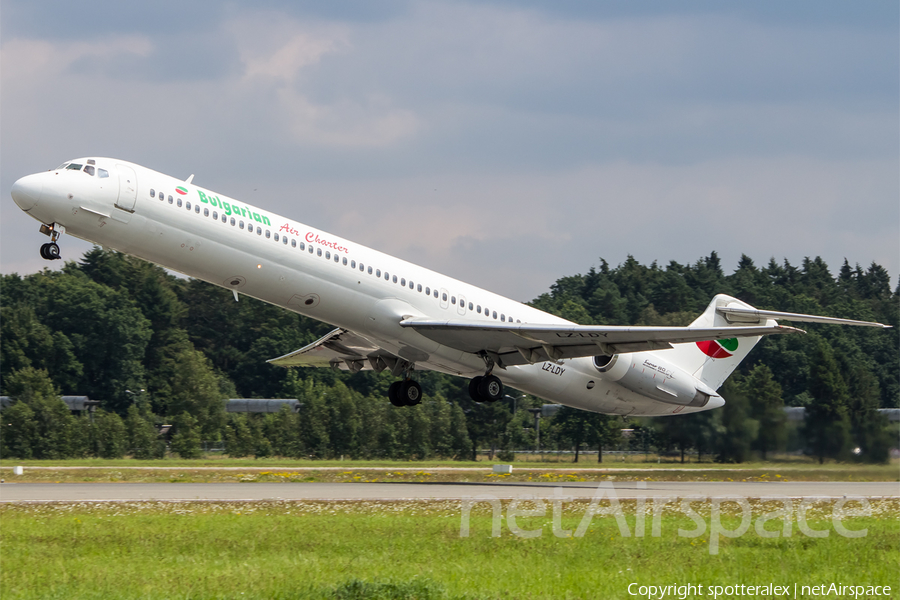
[[713, 361]]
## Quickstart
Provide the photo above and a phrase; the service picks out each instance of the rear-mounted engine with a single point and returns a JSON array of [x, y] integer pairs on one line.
[[650, 375]]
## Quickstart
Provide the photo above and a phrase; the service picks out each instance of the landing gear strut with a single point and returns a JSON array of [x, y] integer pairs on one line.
[[51, 251]]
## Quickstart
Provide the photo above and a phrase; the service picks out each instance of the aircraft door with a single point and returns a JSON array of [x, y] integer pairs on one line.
[[127, 188]]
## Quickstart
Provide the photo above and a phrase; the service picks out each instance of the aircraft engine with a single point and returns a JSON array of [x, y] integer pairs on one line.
[[652, 376]]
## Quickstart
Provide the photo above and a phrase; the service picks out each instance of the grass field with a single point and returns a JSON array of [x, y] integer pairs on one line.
[[407, 550]]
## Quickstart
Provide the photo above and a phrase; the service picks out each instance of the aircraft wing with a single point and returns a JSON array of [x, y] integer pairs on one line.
[[524, 343], [341, 349]]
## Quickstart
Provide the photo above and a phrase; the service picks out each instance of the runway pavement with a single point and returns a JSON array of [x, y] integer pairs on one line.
[[74, 492]]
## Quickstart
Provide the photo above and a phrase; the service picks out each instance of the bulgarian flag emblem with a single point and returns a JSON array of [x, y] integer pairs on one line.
[[718, 348], [181, 190]]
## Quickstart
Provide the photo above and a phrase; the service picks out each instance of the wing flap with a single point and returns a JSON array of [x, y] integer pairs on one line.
[[341, 349]]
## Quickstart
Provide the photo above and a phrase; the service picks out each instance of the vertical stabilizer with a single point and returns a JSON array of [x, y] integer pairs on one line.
[[712, 362]]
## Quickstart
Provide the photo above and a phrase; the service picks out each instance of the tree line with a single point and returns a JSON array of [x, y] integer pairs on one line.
[[156, 349]]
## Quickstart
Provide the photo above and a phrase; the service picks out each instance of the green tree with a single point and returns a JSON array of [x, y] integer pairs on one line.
[[143, 439], [196, 390], [766, 408], [110, 437], [47, 428], [186, 442], [740, 430], [827, 421]]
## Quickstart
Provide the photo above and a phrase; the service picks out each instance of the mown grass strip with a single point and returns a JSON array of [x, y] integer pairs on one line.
[[403, 550]]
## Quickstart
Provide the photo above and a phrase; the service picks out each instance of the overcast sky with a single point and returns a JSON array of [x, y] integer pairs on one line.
[[504, 143]]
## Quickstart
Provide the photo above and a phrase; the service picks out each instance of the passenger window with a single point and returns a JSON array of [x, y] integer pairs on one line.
[[411, 286], [345, 261], [495, 314], [352, 264], [224, 218], [179, 203], [276, 237], [232, 219], [188, 205], [453, 300], [103, 174], [503, 318], [293, 243], [419, 288], [362, 267], [170, 201], [318, 252], [153, 193], [444, 297], [387, 276], [205, 212], [197, 208], [395, 279], [240, 224], [89, 170], [302, 246], [310, 249], [402, 282], [259, 231], [435, 293], [470, 306], [327, 254], [268, 234], [370, 270], [478, 309], [427, 291], [337, 258], [216, 215], [377, 272]]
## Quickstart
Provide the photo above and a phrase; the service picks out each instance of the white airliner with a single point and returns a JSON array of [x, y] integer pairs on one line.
[[389, 313]]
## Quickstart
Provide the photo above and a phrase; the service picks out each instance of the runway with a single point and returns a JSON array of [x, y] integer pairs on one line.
[[119, 492]]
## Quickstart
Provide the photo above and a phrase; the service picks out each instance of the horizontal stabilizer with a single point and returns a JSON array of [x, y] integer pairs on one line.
[[734, 314]]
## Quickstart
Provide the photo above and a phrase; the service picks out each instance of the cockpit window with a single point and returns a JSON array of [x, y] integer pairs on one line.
[[89, 170], [74, 167], [101, 173], [61, 167]]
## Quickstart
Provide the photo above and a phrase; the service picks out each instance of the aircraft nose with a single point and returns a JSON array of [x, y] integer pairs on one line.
[[26, 192]]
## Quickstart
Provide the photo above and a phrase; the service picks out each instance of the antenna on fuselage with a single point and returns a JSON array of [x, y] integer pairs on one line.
[[189, 179]]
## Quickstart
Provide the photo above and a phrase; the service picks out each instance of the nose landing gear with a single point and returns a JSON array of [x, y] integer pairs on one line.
[[51, 251]]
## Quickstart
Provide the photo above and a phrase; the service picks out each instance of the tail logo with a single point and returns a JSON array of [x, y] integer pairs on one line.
[[718, 348]]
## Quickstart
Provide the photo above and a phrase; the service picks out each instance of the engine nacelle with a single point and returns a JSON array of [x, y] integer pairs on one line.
[[652, 376]]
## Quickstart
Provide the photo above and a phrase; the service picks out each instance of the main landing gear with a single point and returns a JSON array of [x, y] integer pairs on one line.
[[405, 393], [51, 251], [487, 388]]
